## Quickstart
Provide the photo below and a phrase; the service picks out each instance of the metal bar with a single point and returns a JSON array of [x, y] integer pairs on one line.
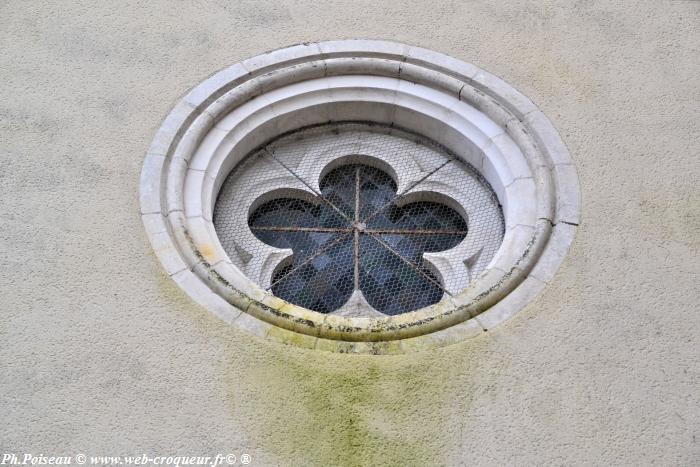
[[405, 191], [411, 264], [311, 258], [356, 280], [302, 229], [356, 229], [415, 232], [323, 198]]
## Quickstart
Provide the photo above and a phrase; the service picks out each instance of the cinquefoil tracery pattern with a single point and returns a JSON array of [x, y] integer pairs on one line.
[[356, 235]]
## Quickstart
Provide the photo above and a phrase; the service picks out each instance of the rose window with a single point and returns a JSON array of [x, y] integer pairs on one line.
[[358, 220], [356, 238], [359, 196]]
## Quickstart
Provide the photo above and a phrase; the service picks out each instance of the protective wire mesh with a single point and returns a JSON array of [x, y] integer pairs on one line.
[[322, 281], [360, 231]]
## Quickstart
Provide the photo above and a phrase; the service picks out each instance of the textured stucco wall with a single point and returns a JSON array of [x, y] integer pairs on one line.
[[101, 353]]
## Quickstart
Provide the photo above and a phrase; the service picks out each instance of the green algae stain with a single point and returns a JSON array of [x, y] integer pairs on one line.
[[318, 408]]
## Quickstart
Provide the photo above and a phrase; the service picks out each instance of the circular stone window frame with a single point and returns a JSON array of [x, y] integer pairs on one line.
[[475, 115]]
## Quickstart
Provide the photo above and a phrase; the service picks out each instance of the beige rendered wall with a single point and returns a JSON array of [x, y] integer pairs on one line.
[[101, 353]]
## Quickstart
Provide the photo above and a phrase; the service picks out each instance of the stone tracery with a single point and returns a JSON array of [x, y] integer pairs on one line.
[[357, 238]]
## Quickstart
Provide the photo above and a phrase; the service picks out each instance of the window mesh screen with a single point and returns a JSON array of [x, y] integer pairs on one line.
[[357, 238], [358, 232]]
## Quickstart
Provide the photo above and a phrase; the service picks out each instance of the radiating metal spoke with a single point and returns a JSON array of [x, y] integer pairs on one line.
[[399, 195], [323, 198], [311, 258], [415, 232], [410, 263], [302, 229], [356, 228]]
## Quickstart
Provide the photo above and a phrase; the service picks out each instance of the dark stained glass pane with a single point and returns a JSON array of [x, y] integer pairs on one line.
[[357, 239]]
